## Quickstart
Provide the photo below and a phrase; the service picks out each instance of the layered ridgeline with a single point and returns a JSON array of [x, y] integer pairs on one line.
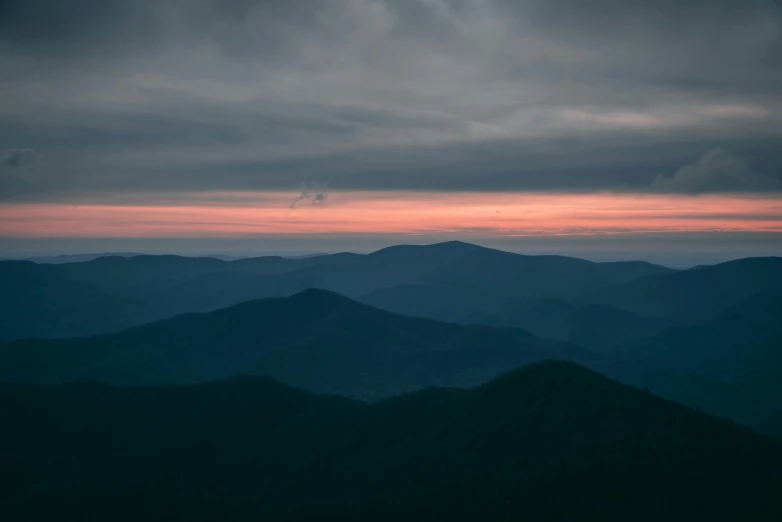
[[321, 341], [552, 441], [552, 296], [643, 305], [709, 337], [730, 365], [699, 291], [110, 293], [316, 340]]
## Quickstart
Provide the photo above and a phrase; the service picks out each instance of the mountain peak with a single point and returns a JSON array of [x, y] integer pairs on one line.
[[307, 301], [321, 294], [550, 371], [445, 247]]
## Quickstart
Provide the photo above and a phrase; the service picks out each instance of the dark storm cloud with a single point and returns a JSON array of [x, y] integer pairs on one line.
[[143, 95]]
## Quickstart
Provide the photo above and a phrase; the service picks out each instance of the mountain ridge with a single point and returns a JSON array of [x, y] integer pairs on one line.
[[694, 292], [168, 285], [552, 441], [316, 339]]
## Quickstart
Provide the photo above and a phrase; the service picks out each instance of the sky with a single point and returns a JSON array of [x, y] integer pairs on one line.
[[608, 129]]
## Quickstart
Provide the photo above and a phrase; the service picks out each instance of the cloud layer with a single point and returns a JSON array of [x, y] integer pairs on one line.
[[716, 171], [486, 95]]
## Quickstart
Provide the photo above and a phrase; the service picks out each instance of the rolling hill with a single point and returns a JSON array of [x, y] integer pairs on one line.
[[587, 325], [316, 340], [694, 292], [728, 365], [550, 442]]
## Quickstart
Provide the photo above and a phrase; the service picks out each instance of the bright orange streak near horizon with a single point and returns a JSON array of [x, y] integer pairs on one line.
[[414, 213]]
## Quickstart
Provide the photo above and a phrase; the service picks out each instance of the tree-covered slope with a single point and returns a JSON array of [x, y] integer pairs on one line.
[[551, 442]]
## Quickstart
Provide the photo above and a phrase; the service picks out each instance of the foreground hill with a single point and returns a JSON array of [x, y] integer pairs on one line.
[[317, 340], [59, 300], [551, 442]]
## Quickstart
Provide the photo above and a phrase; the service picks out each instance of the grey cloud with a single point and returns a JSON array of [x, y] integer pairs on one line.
[[648, 37], [314, 192], [717, 171], [16, 159], [19, 172], [386, 94]]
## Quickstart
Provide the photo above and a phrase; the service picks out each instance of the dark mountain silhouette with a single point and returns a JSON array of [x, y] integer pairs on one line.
[[694, 292], [708, 337], [36, 301], [589, 326], [317, 340], [706, 394], [547, 316], [551, 442], [80, 258], [771, 425], [742, 337], [531, 277], [453, 302], [600, 326], [729, 365], [165, 286], [763, 308], [77, 258]]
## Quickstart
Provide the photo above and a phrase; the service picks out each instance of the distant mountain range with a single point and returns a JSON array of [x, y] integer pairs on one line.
[[730, 364], [110, 293], [206, 427], [316, 340], [454, 281], [709, 337], [76, 258], [551, 441], [694, 292], [80, 258]]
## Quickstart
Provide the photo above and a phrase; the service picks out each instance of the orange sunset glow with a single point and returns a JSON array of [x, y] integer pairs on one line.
[[487, 214]]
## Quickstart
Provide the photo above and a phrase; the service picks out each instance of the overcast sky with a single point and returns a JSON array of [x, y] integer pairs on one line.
[[149, 98]]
